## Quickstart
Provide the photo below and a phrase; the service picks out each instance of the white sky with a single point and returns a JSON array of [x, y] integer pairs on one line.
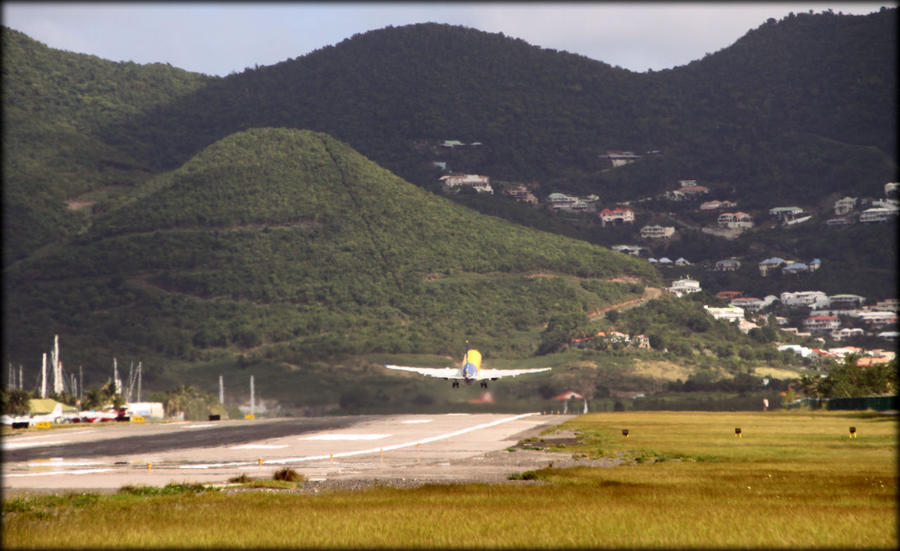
[[218, 39]]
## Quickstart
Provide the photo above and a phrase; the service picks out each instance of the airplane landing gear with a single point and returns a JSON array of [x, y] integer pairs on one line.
[[483, 384], [455, 384]]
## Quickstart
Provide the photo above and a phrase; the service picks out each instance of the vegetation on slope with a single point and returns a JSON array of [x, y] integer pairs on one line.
[[55, 105], [291, 241]]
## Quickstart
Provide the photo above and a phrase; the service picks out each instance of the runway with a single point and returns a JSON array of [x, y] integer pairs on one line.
[[434, 447]]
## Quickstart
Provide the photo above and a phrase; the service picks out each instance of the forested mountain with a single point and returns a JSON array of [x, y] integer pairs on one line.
[[280, 212], [289, 239], [55, 107], [805, 103]]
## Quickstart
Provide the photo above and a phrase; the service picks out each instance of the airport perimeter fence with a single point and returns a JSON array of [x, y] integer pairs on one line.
[[861, 403]]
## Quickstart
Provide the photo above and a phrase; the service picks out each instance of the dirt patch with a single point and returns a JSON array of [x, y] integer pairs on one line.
[[78, 205]]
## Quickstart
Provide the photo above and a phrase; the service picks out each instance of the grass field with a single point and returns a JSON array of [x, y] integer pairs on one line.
[[792, 479]]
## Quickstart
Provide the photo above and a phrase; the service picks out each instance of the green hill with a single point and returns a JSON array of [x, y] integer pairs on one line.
[[287, 244], [55, 107], [751, 116]]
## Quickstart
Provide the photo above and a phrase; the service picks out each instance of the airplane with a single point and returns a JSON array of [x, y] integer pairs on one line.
[[469, 371]]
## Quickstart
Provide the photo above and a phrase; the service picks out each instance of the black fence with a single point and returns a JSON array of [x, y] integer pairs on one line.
[[876, 403]]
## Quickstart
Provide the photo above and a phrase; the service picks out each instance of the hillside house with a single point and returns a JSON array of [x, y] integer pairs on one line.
[[641, 341], [665, 261], [892, 190], [770, 264], [888, 304], [821, 324], [716, 205], [745, 326], [812, 299], [657, 232], [877, 320], [616, 216], [570, 203], [846, 301], [846, 333], [838, 222], [684, 286], [634, 250], [815, 264], [522, 194], [477, 182], [686, 192], [727, 265], [844, 206], [789, 216], [735, 220], [731, 314], [877, 214], [795, 268], [752, 304], [729, 295], [621, 158], [682, 261]]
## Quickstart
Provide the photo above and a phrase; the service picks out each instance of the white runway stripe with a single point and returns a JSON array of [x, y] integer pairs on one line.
[[51, 473], [398, 446]]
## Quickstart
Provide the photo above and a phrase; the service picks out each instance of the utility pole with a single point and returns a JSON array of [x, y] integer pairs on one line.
[[80, 383], [21, 383], [139, 376], [11, 380], [44, 375], [221, 391], [57, 367], [115, 377], [252, 398]]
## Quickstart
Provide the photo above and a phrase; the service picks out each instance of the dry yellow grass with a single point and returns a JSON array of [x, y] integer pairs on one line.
[[792, 480]]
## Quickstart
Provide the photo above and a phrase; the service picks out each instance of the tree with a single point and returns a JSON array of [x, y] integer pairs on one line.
[[851, 380], [561, 329], [14, 402]]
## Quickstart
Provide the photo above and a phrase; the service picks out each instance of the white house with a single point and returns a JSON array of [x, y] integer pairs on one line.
[[657, 232], [877, 320], [684, 286], [455, 182], [813, 299], [735, 220], [728, 265], [877, 214], [846, 332], [715, 205], [731, 314], [844, 206], [770, 264], [821, 324], [617, 216], [634, 250], [846, 302]]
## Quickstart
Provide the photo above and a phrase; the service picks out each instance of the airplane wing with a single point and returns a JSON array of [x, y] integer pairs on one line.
[[497, 373], [440, 372]]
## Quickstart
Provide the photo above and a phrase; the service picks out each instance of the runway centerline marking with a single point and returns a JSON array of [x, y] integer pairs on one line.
[[415, 421], [21, 445], [398, 446], [258, 447]]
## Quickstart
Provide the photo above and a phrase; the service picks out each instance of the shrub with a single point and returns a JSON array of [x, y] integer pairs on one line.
[[288, 475]]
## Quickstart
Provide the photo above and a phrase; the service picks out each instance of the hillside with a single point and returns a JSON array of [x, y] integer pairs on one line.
[[288, 244], [752, 115], [799, 105], [55, 105]]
